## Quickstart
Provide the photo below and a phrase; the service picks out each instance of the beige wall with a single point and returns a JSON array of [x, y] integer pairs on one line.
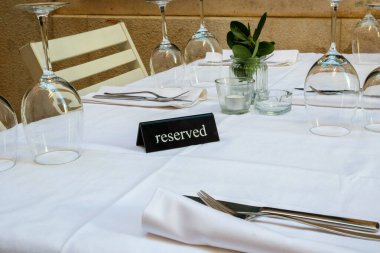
[[304, 25]]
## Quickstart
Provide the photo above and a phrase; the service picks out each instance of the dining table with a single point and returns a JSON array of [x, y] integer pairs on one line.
[[96, 203]]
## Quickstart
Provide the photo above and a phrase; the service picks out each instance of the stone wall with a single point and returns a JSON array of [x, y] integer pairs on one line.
[[304, 25]]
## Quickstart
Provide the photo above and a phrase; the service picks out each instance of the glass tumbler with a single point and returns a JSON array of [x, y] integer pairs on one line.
[[252, 68], [8, 135], [234, 94]]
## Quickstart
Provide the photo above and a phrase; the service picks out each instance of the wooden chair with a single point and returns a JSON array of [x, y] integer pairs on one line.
[[83, 43]]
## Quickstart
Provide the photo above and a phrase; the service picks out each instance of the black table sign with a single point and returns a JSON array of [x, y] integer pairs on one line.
[[177, 132]]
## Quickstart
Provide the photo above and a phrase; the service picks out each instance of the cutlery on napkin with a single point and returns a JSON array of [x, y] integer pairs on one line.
[[143, 97], [182, 219], [249, 212]]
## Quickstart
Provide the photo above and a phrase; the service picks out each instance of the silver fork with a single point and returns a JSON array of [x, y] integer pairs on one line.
[[213, 203], [144, 92]]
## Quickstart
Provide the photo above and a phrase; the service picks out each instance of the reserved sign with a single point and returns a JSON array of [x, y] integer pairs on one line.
[[177, 132]]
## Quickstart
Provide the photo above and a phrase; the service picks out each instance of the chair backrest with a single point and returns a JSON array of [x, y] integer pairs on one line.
[[84, 43]]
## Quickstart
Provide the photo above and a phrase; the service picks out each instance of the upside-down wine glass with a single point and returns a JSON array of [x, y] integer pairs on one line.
[[366, 38], [51, 110], [371, 101], [332, 90], [203, 45], [8, 135], [166, 56]]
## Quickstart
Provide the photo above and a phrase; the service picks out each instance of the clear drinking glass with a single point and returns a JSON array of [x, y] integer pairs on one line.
[[332, 90], [371, 101], [203, 56], [234, 94], [51, 110], [366, 38], [252, 68], [166, 56], [8, 135]]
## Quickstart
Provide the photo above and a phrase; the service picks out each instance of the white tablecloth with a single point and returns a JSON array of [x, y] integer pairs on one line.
[[95, 204]]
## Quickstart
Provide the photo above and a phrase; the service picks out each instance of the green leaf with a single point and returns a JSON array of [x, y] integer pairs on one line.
[[241, 51], [265, 48], [238, 26], [239, 35], [260, 26], [230, 39]]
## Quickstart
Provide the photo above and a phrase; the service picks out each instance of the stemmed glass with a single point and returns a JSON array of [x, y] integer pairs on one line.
[[371, 101], [202, 44], [51, 111], [166, 56], [366, 38], [332, 90], [8, 135]]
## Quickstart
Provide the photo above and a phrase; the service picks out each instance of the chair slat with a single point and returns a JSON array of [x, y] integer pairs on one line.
[[97, 66], [119, 80], [82, 43]]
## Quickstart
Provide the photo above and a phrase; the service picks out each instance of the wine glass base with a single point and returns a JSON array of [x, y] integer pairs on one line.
[[57, 157], [373, 127], [330, 131], [6, 163]]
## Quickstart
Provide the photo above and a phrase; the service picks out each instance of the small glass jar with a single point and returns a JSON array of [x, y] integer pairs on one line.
[[252, 68], [234, 94]]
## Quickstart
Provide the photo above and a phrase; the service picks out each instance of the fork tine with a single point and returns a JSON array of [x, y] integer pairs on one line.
[[183, 93], [214, 203], [211, 204]]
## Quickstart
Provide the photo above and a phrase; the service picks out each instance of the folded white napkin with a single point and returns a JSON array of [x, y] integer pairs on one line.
[[279, 57], [283, 58], [182, 219], [194, 96]]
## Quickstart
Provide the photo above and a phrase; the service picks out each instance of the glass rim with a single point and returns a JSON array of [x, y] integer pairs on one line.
[[374, 5], [224, 81], [22, 6], [288, 93]]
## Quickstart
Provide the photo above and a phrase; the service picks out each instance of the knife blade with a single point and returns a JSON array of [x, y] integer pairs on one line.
[[349, 223], [139, 98]]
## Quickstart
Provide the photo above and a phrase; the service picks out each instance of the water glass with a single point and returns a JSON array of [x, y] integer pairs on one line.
[[235, 94], [8, 135], [252, 68]]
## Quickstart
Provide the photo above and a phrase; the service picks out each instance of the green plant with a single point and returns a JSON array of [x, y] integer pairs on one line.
[[247, 46]]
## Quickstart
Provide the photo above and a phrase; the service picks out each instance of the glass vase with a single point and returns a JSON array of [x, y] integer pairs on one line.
[[251, 68]]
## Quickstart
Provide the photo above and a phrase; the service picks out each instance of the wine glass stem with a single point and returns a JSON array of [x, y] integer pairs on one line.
[[202, 15], [164, 28], [43, 23], [334, 8]]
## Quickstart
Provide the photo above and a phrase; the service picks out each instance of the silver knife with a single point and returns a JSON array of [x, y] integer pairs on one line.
[[139, 98], [348, 223]]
